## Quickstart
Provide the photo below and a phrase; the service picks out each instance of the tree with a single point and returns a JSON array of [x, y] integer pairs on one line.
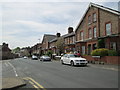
[[60, 45], [16, 50]]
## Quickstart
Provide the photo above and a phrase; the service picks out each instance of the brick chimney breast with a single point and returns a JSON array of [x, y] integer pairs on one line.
[[70, 29]]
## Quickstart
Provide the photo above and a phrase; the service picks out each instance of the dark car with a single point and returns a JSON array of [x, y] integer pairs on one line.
[[45, 58]]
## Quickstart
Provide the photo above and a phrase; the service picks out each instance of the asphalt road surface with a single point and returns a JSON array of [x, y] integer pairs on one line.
[[53, 74]]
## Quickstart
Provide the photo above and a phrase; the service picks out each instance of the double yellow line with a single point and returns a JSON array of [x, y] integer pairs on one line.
[[34, 83]]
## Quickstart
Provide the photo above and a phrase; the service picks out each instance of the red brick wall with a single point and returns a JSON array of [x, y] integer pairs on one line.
[[106, 59], [108, 17]]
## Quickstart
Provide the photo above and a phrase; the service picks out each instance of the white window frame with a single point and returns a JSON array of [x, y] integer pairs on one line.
[[94, 32], [90, 33], [94, 17], [89, 19], [81, 35], [113, 45], [108, 28], [83, 50]]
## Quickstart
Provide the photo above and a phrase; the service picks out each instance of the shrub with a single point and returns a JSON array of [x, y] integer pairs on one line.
[[112, 53], [49, 53], [101, 43], [100, 52]]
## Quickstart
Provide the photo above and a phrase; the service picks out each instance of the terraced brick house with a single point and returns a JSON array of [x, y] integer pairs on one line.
[[36, 49], [45, 42], [98, 23], [52, 44], [5, 52], [69, 40]]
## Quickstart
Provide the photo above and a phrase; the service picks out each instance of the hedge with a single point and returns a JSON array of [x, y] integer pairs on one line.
[[103, 52]]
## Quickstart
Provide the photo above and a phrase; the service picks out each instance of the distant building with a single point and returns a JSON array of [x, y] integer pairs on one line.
[[69, 40], [5, 52], [52, 43], [36, 49], [45, 42]]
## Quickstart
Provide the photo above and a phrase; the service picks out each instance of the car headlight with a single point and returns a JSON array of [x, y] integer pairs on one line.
[[77, 60]]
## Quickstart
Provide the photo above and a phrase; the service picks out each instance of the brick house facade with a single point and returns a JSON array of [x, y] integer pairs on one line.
[[97, 23], [5, 52], [45, 42], [36, 49], [69, 40]]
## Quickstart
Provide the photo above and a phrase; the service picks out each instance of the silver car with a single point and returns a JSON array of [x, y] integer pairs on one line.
[[45, 58]]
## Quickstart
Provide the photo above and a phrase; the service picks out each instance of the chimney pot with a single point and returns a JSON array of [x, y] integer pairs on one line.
[[70, 29], [58, 34]]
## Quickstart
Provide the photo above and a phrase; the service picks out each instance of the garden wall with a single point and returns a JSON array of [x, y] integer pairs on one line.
[[105, 59]]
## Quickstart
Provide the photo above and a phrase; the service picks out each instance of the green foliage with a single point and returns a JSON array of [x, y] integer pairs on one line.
[[104, 52], [49, 53], [16, 50], [60, 45], [112, 53], [100, 52], [101, 43]]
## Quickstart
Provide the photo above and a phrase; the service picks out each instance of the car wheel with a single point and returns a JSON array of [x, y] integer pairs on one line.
[[72, 63], [62, 62]]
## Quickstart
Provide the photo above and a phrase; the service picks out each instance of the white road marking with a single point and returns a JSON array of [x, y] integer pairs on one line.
[[13, 69], [6, 64]]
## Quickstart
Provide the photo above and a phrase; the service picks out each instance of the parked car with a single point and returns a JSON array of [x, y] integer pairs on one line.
[[45, 58], [25, 57], [73, 59], [34, 57]]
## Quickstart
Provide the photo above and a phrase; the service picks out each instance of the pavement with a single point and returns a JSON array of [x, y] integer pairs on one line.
[[9, 83], [106, 66]]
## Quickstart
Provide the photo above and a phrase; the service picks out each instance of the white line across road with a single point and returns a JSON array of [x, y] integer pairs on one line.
[[6, 64], [13, 69]]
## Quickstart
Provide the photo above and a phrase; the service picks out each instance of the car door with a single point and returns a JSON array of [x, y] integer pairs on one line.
[[68, 59], [64, 58]]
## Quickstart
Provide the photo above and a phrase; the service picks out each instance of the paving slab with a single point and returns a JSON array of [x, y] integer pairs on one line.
[[8, 83]]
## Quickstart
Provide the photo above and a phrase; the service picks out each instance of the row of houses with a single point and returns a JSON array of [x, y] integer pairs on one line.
[[98, 23], [6, 52]]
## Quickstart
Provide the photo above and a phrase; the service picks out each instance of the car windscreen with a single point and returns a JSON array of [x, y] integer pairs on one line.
[[46, 57], [72, 55]]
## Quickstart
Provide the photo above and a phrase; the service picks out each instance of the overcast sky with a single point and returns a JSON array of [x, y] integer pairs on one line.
[[23, 23]]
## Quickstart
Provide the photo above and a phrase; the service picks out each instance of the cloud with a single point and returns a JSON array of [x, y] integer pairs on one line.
[[24, 23], [59, 1]]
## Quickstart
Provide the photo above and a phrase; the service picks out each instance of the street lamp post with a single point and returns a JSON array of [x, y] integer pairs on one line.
[[39, 48]]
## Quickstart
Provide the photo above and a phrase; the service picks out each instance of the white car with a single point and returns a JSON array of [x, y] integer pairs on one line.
[[25, 57], [73, 59], [34, 57]]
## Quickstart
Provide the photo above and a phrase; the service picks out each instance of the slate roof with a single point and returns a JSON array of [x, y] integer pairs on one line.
[[49, 37], [55, 39], [68, 35]]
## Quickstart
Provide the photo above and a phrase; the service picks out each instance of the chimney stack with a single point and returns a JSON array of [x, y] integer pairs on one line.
[[70, 29], [58, 34]]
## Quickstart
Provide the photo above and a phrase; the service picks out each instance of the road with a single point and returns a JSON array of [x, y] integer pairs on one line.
[[55, 75]]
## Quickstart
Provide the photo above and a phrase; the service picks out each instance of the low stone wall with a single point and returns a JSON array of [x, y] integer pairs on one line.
[[105, 59]]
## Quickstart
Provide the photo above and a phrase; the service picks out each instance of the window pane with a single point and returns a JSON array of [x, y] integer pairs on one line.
[[90, 33], [94, 17], [89, 19], [94, 30], [81, 35], [108, 29]]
